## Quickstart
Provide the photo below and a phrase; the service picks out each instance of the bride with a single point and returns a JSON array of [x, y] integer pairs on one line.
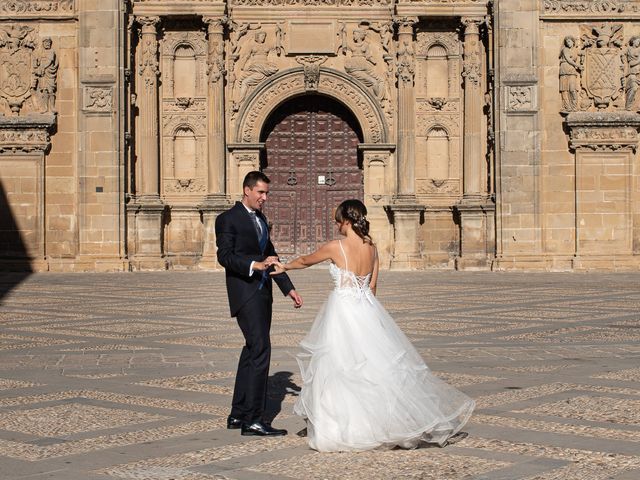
[[364, 384]]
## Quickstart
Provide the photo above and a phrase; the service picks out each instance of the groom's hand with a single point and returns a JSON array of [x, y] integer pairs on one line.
[[278, 268], [297, 299]]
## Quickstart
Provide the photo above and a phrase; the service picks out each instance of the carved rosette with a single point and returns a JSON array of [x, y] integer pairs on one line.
[[615, 131]]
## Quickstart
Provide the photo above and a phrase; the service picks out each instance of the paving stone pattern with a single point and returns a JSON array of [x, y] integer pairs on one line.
[[130, 376]]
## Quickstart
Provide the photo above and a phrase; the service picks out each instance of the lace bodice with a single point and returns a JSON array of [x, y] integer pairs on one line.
[[348, 283]]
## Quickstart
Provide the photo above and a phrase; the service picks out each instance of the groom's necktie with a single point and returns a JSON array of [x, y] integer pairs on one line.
[[261, 230]]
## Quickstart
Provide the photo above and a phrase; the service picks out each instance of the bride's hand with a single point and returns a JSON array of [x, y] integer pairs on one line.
[[278, 268]]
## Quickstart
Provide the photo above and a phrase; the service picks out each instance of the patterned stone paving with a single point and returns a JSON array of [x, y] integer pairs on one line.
[[129, 376]]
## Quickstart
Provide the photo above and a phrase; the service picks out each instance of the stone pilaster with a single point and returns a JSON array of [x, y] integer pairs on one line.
[[474, 169], [475, 211], [216, 127], [146, 210], [406, 111], [147, 188], [405, 211], [216, 200]]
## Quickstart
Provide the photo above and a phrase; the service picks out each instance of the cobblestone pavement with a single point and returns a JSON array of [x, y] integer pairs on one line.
[[129, 376]]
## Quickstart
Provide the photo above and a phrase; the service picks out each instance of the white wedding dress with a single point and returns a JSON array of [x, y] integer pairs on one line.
[[364, 384]]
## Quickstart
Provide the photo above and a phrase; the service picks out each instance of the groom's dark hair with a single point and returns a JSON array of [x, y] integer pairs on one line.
[[251, 178]]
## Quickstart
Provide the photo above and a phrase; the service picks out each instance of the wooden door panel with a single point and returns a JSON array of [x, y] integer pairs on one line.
[[308, 138]]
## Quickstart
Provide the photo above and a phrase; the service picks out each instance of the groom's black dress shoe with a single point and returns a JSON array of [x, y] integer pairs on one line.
[[261, 429], [233, 423]]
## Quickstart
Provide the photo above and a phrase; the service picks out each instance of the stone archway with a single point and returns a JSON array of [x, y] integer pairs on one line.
[[246, 141]]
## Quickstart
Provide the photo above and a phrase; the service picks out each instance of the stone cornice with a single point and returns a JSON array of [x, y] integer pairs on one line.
[[439, 8], [179, 7]]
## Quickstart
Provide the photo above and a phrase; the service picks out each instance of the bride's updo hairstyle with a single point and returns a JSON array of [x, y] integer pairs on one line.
[[355, 213]]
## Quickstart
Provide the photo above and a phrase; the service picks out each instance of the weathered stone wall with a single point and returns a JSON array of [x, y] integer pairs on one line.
[[495, 134]]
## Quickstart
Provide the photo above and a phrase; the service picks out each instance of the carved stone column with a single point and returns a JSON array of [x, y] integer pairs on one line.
[[147, 101], [607, 221], [404, 209], [476, 211], [146, 210], [216, 201], [216, 140], [406, 111], [474, 170]]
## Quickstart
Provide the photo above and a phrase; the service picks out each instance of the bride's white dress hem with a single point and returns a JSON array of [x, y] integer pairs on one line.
[[364, 384]]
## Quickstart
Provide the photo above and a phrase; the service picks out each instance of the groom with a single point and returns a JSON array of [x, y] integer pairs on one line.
[[246, 253]]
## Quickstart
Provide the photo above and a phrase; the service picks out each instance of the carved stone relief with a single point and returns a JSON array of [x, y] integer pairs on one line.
[[253, 59], [521, 98], [28, 71], [600, 71], [585, 6], [311, 65], [98, 98], [27, 8]]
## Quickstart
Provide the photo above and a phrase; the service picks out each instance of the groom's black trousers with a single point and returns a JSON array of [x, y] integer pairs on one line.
[[249, 394]]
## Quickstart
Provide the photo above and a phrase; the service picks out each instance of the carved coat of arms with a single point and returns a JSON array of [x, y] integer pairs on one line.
[[603, 67], [17, 45], [28, 71]]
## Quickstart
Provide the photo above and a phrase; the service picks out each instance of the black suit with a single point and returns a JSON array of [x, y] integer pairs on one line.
[[250, 299]]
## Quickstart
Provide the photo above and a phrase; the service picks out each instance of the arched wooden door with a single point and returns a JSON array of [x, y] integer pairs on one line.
[[311, 157]]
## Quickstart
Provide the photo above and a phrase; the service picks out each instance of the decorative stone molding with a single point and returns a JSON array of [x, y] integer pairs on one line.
[[449, 123], [606, 131], [290, 83], [426, 40], [312, 3], [26, 134], [36, 8], [586, 6]]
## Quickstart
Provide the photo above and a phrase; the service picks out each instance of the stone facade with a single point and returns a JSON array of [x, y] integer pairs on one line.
[[492, 135]]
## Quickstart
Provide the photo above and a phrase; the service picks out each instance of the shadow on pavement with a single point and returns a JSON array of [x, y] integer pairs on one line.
[[15, 261]]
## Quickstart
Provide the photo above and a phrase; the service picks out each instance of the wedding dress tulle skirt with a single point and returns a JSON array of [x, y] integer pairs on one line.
[[364, 384]]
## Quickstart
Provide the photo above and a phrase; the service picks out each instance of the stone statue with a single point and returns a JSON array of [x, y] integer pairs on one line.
[[255, 66], [569, 75], [632, 83], [361, 64], [46, 77]]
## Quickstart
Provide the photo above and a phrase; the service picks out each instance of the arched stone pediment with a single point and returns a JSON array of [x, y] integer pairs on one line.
[[290, 83]]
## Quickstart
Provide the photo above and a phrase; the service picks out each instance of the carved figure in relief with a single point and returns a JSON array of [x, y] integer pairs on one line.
[[632, 83], [45, 79], [361, 64], [256, 65], [569, 75]]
